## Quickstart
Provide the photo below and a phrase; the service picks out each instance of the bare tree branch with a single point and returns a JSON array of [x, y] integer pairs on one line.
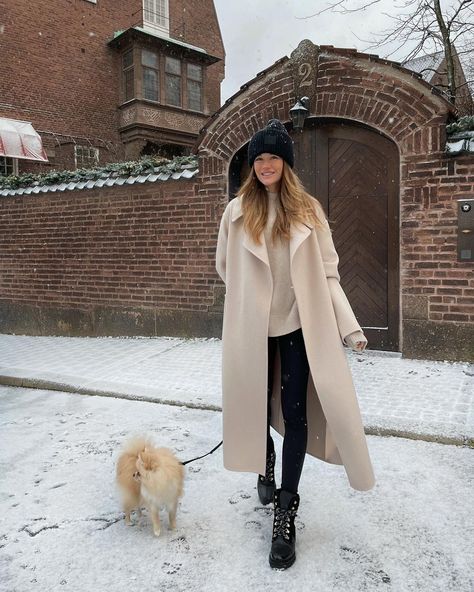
[[333, 6], [421, 26]]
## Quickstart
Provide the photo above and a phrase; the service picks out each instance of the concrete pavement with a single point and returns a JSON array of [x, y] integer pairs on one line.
[[419, 399]]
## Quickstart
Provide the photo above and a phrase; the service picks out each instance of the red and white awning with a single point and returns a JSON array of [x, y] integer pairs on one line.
[[18, 139]]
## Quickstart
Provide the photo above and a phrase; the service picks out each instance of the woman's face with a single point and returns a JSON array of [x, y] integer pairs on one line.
[[269, 169]]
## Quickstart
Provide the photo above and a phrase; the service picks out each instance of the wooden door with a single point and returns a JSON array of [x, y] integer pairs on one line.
[[353, 171]]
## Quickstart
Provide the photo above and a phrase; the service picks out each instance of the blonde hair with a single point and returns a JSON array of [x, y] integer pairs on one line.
[[295, 205]]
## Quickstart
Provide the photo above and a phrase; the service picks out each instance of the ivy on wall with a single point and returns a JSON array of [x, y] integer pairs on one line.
[[463, 124], [148, 164]]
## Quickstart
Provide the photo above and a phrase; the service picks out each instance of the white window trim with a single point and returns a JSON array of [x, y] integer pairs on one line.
[[152, 26]]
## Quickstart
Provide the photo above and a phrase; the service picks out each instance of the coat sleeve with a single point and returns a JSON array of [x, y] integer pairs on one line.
[[221, 250], [346, 321]]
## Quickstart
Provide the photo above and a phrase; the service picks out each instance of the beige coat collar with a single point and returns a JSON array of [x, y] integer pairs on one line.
[[299, 232]]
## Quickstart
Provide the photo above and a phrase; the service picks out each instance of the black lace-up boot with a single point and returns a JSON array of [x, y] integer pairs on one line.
[[282, 553], [266, 483]]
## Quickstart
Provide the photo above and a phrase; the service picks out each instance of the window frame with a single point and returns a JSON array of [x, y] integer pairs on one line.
[[157, 70], [4, 165], [138, 68], [96, 156], [126, 70], [169, 75], [201, 86], [164, 17]]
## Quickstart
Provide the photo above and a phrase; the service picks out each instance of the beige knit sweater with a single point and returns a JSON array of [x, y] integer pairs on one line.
[[284, 317]]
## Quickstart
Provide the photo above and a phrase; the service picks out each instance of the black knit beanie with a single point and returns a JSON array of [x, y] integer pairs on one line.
[[273, 139]]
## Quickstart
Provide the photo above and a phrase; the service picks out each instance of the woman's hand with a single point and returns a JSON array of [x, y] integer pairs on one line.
[[356, 341], [360, 346]]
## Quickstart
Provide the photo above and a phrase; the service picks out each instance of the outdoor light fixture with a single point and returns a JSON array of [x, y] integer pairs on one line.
[[299, 113]]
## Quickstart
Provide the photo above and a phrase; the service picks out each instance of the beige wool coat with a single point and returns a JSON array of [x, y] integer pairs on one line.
[[335, 430]]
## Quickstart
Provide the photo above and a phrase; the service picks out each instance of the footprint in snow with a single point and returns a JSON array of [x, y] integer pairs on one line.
[[181, 543], [253, 525], [237, 497], [264, 510], [171, 568], [371, 571]]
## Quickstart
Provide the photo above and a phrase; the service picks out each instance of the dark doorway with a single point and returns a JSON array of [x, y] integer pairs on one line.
[[353, 171]]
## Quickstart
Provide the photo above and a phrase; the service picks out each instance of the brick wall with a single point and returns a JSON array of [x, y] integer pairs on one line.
[[141, 260], [61, 74], [437, 290], [115, 261], [58, 72]]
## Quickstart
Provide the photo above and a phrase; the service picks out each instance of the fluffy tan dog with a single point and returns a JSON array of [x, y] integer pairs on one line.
[[152, 477]]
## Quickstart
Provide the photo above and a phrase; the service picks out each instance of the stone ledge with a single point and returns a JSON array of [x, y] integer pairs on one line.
[[438, 341]]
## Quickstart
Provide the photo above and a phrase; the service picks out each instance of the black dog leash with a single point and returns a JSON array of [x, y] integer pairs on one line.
[[207, 453]]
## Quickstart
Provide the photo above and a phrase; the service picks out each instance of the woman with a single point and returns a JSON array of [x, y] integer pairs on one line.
[[285, 321]]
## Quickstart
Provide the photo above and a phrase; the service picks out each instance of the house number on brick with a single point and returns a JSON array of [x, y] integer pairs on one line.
[[305, 70]]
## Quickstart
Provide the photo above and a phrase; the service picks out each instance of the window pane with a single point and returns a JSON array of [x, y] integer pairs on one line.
[[194, 95], [6, 166], [173, 90], [160, 7], [194, 72], [154, 11], [151, 84], [173, 66], [150, 58], [86, 156], [129, 86], [149, 10], [127, 59]]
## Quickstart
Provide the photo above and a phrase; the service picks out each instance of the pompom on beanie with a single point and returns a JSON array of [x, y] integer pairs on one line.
[[273, 139]]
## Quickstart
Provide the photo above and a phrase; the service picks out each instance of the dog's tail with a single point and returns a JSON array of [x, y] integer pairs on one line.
[[136, 445]]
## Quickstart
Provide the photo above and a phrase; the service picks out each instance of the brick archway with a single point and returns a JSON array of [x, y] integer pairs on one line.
[[397, 104], [347, 85]]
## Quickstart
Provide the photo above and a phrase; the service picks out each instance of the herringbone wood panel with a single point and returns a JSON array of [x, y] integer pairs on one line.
[[358, 215]]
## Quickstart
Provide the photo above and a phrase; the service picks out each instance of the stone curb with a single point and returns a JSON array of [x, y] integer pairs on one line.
[[51, 385], [40, 384]]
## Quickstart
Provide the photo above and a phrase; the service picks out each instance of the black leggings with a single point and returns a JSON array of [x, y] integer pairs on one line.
[[294, 381]]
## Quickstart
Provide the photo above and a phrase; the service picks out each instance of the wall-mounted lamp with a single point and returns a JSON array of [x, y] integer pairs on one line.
[[299, 113]]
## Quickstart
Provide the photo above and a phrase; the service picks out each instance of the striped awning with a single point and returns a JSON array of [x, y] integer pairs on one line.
[[18, 139]]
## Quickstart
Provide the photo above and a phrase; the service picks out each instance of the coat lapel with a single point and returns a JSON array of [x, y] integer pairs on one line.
[[260, 250], [299, 233]]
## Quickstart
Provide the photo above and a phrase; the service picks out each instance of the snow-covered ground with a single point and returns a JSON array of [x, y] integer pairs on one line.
[[62, 528], [433, 399]]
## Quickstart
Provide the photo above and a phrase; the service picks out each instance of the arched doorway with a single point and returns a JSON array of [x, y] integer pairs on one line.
[[353, 171]]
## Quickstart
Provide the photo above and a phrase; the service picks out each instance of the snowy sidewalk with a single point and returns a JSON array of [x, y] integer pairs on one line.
[[414, 398], [62, 526]]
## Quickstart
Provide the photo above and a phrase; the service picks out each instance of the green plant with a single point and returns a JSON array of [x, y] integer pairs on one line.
[[148, 164]]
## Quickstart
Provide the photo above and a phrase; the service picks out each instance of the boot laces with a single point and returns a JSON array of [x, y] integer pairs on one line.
[[269, 469], [282, 523]]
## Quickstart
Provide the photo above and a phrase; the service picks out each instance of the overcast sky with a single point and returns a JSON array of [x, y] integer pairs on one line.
[[256, 33]]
